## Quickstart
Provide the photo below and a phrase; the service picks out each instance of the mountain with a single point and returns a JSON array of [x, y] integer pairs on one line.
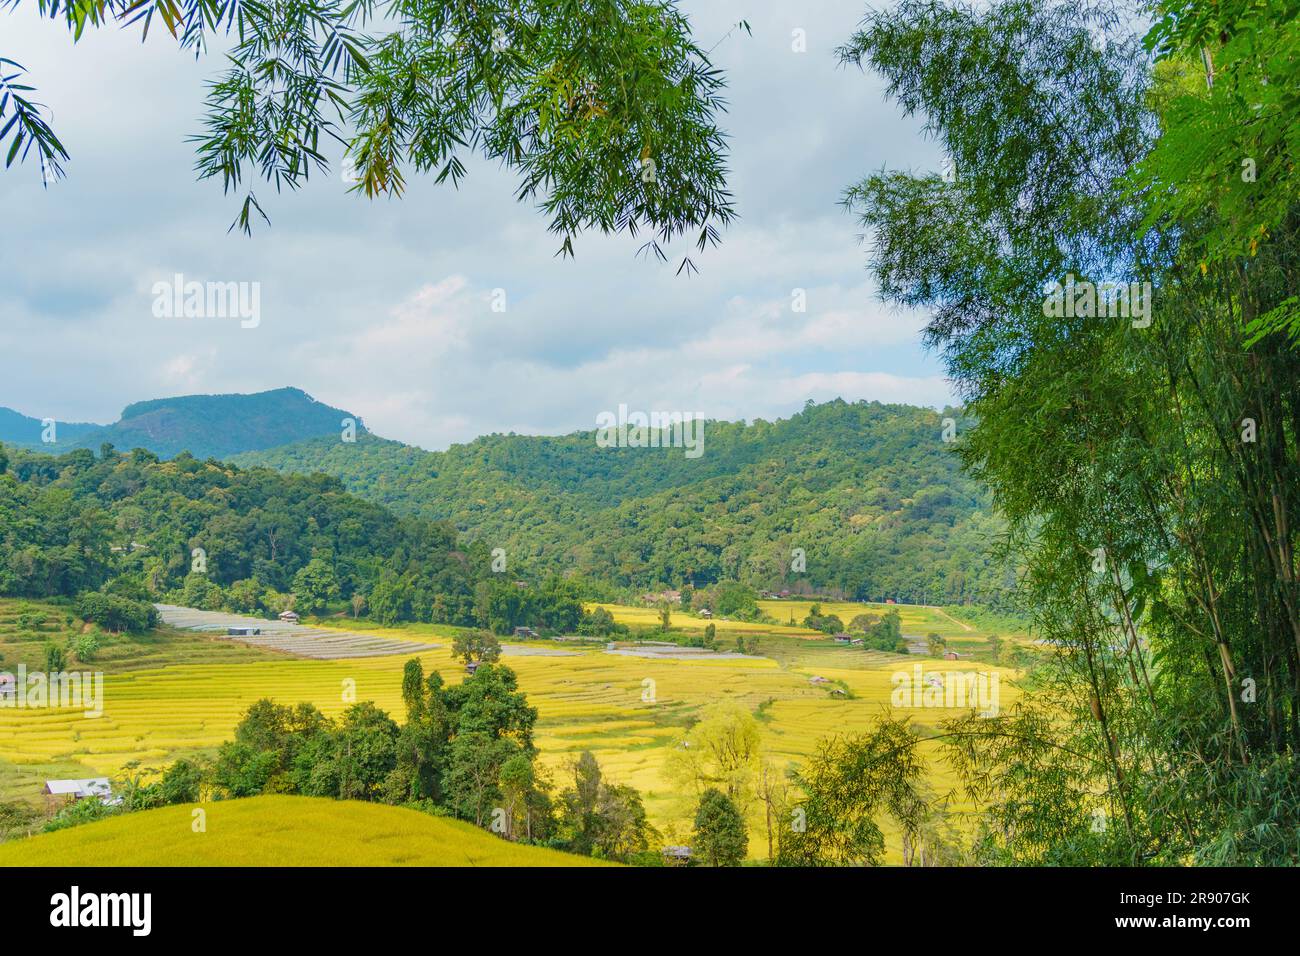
[[214, 536], [207, 426], [19, 429], [870, 493]]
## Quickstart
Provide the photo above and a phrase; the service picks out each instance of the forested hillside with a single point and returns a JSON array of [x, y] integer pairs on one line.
[[870, 492], [206, 426], [216, 536]]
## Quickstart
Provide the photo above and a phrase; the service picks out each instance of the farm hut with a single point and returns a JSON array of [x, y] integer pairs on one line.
[[8, 687], [243, 631], [62, 792], [471, 667], [841, 638], [705, 612], [818, 679], [857, 642], [677, 856], [951, 656], [525, 632], [289, 617]]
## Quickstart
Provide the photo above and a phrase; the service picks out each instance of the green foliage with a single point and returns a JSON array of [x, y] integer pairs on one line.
[[826, 623], [56, 661], [86, 647], [115, 613], [182, 782], [881, 506], [555, 606], [1147, 472], [120, 533], [597, 818], [81, 811], [606, 111], [22, 126], [720, 837], [847, 785], [1229, 145], [476, 645], [315, 586], [600, 623]]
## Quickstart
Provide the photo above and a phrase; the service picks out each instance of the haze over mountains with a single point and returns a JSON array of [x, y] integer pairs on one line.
[[867, 493]]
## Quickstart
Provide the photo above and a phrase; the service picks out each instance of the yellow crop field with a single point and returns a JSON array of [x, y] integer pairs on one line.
[[914, 618], [279, 831], [686, 621], [628, 711], [789, 614]]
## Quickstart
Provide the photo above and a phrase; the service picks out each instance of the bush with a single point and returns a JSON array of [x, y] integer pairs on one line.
[[83, 811], [55, 660], [86, 647], [115, 613], [29, 621]]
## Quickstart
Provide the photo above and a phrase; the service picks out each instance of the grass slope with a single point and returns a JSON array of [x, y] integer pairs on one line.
[[280, 831]]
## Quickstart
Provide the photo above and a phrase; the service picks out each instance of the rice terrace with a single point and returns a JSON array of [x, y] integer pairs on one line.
[[590, 697]]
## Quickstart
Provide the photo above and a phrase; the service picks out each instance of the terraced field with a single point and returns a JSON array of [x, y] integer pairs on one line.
[[586, 699], [916, 620], [317, 643], [280, 831]]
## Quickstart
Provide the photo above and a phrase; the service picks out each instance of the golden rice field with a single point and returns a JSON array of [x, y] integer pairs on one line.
[[686, 621], [914, 618], [788, 615], [279, 831], [587, 701]]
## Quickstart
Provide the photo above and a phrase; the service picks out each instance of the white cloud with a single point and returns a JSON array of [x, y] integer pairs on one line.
[[384, 308]]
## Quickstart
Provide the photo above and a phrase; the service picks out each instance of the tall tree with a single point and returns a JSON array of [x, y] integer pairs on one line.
[[719, 837], [1094, 274]]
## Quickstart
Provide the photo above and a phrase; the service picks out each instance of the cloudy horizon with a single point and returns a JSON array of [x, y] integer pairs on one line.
[[390, 308]]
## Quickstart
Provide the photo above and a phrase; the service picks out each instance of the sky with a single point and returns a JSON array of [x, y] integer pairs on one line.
[[385, 308]]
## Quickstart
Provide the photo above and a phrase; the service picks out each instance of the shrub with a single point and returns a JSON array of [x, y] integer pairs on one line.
[[86, 646], [115, 613]]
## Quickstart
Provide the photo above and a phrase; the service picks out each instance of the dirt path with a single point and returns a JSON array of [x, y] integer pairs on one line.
[[962, 624]]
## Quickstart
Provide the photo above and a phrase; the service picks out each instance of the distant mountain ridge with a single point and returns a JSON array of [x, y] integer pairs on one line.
[[860, 499], [19, 429], [870, 494], [207, 426]]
